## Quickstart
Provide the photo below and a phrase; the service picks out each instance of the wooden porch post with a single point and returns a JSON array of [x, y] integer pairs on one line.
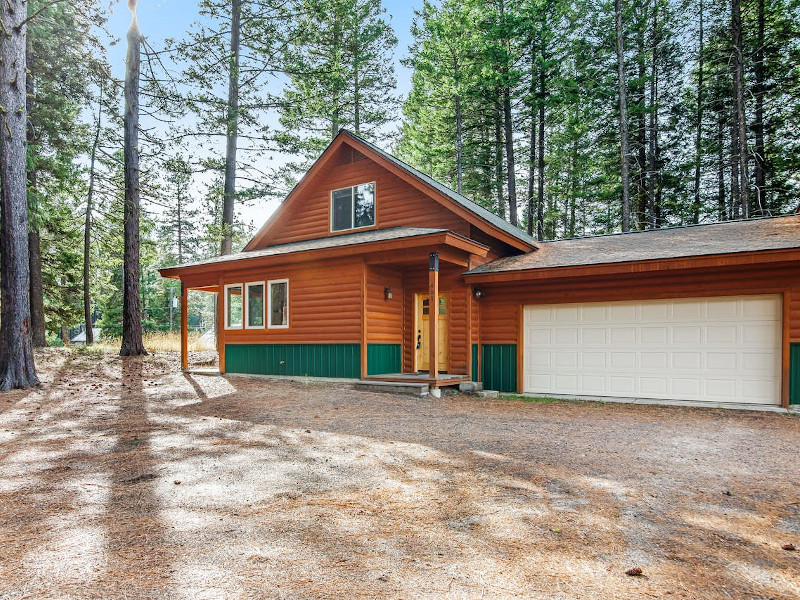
[[221, 327], [433, 317], [184, 327]]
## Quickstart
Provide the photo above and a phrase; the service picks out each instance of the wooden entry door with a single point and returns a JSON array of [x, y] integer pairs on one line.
[[423, 332]]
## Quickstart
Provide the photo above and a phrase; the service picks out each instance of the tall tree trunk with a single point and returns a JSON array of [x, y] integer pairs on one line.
[[87, 229], [356, 102], [699, 125], [735, 195], [532, 225], [510, 167], [624, 146], [17, 368], [232, 131], [758, 127], [540, 166], [498, 149], [131, 301], [38, 336], [641, 136], [459, 126], [180, 226], [337, 41], [653, 171], [532, 212], [738, 100], [721, 212]]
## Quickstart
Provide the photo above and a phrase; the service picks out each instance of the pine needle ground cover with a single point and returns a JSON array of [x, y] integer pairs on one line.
[[123, 478]]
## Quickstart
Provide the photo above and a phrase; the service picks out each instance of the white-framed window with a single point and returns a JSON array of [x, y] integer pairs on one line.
[[278, 301], [353, 207], [254, 305], [234, 306]]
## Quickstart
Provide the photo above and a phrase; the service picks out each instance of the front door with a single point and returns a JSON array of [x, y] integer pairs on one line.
[[423, 311]]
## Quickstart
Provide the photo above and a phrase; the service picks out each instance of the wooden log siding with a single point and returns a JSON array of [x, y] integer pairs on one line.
[[384, 317], [794, 314], [324, 305], [397, 203]]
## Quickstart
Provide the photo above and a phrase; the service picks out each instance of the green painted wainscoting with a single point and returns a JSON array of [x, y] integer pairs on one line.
[[794, 373], [499, 367], [313, 360], [384, 358]]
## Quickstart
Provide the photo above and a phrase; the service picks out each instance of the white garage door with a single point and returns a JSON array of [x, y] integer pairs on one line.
[[723, 349]]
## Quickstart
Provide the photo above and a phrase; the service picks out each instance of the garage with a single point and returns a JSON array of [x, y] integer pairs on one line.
[[718, 349]]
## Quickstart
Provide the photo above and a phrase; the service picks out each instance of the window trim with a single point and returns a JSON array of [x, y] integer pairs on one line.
[[269, 304], [353, 207], [246, 312], [226, 307]]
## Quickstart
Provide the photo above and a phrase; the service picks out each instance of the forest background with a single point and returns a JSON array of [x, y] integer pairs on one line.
[[567, 118]]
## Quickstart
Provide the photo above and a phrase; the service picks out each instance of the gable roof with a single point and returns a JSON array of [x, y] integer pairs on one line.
[[729, 237], [451, 194], [472, 212]]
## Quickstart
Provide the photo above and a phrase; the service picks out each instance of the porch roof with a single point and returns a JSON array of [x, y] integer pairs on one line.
[[333, 246]]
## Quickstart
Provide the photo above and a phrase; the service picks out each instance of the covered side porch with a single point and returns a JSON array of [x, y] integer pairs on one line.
[[395, 308]]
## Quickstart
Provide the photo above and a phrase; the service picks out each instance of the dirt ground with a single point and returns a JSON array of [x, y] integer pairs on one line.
[[127, 479]]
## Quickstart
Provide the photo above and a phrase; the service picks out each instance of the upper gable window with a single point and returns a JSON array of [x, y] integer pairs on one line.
[[353, 207]]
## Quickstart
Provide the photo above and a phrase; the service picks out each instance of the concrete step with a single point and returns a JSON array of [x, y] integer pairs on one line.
[[394, 387]]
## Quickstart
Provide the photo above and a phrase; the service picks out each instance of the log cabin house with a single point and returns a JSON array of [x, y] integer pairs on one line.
[[372, 270]]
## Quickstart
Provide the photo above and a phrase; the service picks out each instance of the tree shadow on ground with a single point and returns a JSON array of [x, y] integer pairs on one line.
[[312, 491]]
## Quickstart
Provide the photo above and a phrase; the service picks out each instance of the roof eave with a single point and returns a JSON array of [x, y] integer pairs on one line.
[[447, 238], [745, 258]]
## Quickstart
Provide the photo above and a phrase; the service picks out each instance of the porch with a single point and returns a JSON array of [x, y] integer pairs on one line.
[[392, 314]]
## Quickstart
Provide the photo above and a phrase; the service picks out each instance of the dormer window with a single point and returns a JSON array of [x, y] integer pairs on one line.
[[353, 207]]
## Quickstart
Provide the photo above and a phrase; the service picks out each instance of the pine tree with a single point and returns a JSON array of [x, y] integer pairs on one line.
[[17, 368], [340, 75]]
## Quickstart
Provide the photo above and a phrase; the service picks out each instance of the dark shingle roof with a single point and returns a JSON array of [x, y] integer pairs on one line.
[[452, 194], [337, 241], [776, 233]]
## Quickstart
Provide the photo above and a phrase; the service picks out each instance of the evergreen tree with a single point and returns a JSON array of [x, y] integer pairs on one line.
[[339, 75]]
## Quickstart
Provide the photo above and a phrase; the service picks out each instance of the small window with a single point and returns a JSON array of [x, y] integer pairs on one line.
[[255, 304], [233, 306], [279, 304], [353, 207]]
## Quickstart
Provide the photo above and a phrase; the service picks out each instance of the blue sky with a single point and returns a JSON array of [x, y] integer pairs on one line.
[[162, 19]]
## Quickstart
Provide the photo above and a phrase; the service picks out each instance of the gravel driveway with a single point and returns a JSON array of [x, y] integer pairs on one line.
[[127, 479]]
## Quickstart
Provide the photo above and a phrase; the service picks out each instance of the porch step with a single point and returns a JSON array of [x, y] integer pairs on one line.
[[394, 387]]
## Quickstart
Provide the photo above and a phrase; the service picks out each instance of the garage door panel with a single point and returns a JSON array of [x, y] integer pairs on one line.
[[723, 349], [721, 334], [594, 336], [654, 335], [688, 311], [758, 307], [653, 386], [721, 361], [567, 335], [687, 334]]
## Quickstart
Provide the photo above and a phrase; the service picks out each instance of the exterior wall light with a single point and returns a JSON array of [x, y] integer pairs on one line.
[[387, 293], [479, 293]]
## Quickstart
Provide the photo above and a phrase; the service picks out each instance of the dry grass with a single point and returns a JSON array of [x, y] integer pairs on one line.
[[158, 341]]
